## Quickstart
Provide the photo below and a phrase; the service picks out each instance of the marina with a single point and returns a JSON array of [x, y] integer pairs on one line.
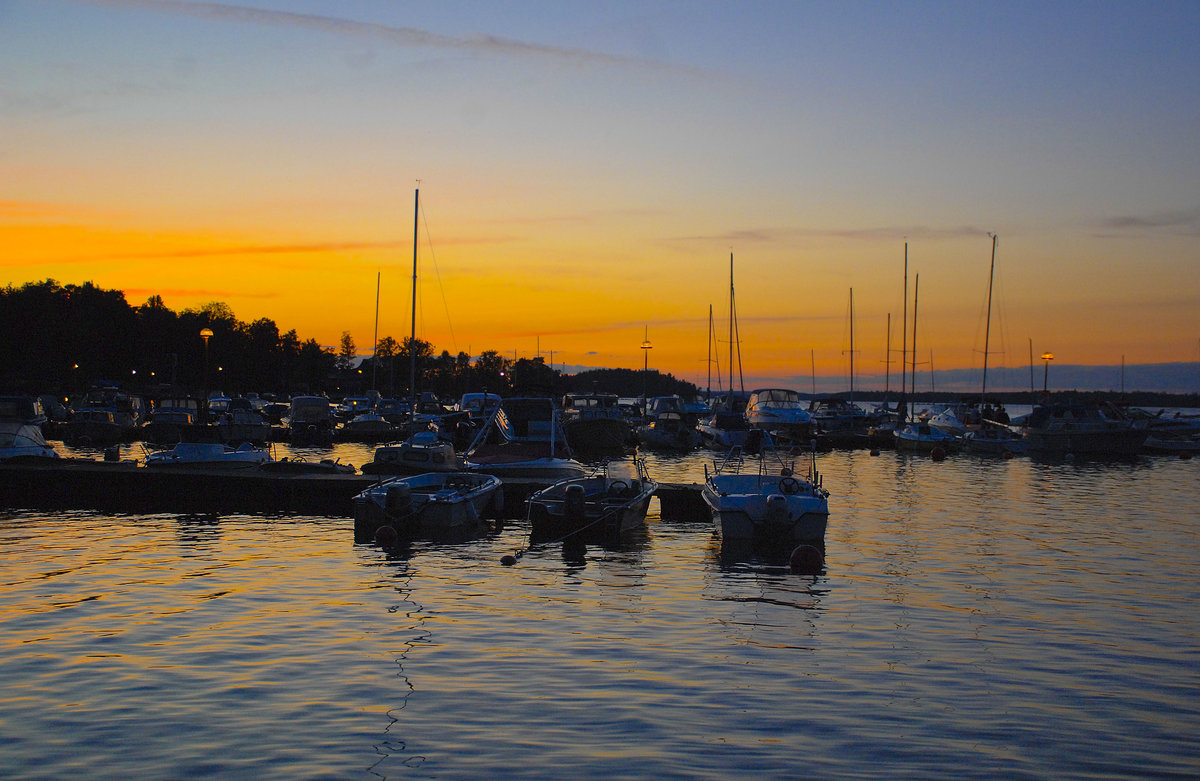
[[974, 617]]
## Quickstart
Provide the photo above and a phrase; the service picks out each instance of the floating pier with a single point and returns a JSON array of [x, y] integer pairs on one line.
[[125, 487]]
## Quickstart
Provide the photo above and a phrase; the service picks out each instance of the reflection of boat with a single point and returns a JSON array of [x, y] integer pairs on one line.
[[777, 508], [594, 422], [524, 440], [210, 454], [428, 503], [1082, 430], [612, 500]]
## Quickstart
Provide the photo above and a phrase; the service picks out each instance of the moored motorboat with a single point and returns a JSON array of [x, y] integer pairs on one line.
[[524, 441], [210, 455], [593, 423], [424, 451], [428, 503], [23, 440], [992, 438], [1081, 429], [767, 506], [920, 437], [780, 411], [611, 500]]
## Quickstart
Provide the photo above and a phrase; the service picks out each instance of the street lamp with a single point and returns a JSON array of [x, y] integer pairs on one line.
[[1047, 357], [205, 335], [646, 348]]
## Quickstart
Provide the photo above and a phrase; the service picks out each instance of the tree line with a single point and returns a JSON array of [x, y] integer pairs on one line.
[[63, 339]]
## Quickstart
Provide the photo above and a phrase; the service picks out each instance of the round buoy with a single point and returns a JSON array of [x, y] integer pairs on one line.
[[874, 451], [1007, 454], [386, 537], [508, 560], [938, 454], [807, 560]]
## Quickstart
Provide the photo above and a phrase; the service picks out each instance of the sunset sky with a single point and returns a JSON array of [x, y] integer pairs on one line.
[[587, 169]]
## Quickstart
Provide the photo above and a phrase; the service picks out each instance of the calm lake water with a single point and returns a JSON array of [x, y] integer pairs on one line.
[[976, 619]]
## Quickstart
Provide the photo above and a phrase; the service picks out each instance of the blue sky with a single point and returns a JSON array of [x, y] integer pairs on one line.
[[589, 167]]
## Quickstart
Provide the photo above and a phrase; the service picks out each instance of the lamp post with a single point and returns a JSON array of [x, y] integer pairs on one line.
[[205, 335], [646, 347], [1047, 357]]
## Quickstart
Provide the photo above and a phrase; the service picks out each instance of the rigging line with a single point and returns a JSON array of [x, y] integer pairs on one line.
[[438, 274]]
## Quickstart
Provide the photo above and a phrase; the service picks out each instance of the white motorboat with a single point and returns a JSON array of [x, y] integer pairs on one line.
[[210, 455], [766, 505], [919, 436], [20, 439], [780, 411], [428, 503], [611, 500]]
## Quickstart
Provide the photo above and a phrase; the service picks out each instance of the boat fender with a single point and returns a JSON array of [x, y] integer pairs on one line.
[[498, 503], [386, 537], [806, 560]]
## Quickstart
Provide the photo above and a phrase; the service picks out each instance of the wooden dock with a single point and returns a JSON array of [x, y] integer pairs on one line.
[[125, 487]]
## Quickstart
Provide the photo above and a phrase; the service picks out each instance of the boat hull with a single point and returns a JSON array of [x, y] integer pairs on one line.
[[590, 508], [431, 504], [766, 508]]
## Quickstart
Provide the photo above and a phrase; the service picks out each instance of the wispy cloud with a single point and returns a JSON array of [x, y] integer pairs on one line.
[[1185, 222], [399, 36], [768, 235]]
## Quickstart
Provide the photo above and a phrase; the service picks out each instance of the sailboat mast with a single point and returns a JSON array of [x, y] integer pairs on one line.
[[731, 330], [887, 363], [851, 345], [987, 331], [916, 289], [375, 352], [412, 342], [709, 352], [901, 407]]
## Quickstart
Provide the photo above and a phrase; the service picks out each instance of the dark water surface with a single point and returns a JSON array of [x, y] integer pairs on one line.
[[976, 619]]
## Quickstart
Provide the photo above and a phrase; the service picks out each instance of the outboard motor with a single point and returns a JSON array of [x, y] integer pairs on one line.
[[574, 509], [777, 509], [397, 501]]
